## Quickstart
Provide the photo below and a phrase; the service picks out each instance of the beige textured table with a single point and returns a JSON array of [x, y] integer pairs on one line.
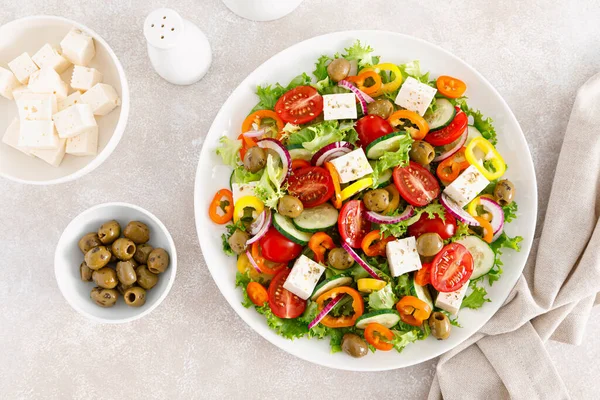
[[536, 53]]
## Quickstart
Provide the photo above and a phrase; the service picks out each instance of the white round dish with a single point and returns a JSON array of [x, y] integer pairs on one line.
[[68, 258], [262, 10], [30, 34], [212, 175]]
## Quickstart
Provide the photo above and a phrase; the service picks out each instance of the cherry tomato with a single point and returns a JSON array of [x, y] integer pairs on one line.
[[313, 186], [451, 268], [423, 276], [257, 293], [282, 302], [299, 105], [415, 184], [352, 224], [450, 133], [445, 228], [276, 247], [372, 127]]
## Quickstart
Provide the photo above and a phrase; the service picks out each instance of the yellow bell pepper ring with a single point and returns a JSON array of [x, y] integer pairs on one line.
[[484, 156], [245, 202], [390, 86], [472, 207], [356, 187], [368, 285]]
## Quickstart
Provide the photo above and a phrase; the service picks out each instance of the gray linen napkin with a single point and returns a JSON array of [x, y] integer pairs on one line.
[[554, 297]]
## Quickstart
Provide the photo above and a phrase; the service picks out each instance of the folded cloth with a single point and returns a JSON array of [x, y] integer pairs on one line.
[[554, 297]]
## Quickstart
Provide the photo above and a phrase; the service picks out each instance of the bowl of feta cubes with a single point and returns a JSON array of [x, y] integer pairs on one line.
[[64, 100]]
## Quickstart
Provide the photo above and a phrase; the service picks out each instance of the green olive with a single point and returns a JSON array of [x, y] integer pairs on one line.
[[142, 252], [354, 345], [158, 261], [338, 69], [145, 278], [377, 200], [123, 288], [97, 257], [123, 249], [339, 258], [422, 152], [109, 232], [135, 296], [104, 297], [255, 159], [105, 278], [504, 192], [137, 231], [238, 240], [133, 262], [429, 244], [380, 107], [85, 272], [440, 325], [126, 272], [290, 206], [89, 241], [113, 259]]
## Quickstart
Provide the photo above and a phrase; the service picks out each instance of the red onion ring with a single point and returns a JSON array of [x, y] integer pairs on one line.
[[360, 261], [460, 142], [372, 216], [325, 311], [456, 211], [286, 159]]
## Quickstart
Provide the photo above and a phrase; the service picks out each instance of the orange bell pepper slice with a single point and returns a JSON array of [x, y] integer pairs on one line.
[[422, 125], [423, 276], [449, 169], [265, 266], [374, 245], [220, 209], [298, 163], [335, 178], [379, 336], [257, 116], [488, 231], [344, 320], [319, 243], [360, 79], [257, 293], [413, 311], [450, 87]]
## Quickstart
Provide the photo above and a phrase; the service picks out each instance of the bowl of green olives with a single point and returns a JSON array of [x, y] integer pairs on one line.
[[115, 262]]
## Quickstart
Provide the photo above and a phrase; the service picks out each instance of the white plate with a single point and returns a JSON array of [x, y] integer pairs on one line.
[[392, 47], [30, 34]]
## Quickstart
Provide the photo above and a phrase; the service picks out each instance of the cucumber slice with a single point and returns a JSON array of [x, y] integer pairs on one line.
[[286, 227], [385, 143], [317, 218], [472, 133], [385, 178], [297, 152], [331, 283], [483, 256], [442, 116], [421, 293], [387, 318], [231, 182]]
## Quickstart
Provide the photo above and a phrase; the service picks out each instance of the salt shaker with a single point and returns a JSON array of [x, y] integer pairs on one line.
[[178, 49]]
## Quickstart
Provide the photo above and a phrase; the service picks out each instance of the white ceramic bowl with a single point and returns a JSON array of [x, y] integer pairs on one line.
[[30, 34], [262, 10], [68, 258], [212, 175]]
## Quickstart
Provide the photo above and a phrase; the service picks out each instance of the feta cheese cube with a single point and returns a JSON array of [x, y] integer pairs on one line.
[[85, 144], [70, 100], [48, 56], [47, 80], [11, 137], [23, 66], [304, 277], [402, 256], [339, 106], [84, 78], [240, 190], [8, 83], [53, 157], [352, 166], [18, 92], [75, 120], [38, 135], [102, 97], [36, 107], [415, 96], [467, 186], [78, 47], [451, 301]]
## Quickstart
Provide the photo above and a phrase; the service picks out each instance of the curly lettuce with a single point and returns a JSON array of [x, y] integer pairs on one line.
[[229, 150], [383, 299], [269, 94], [317, 136], [268, 189], [362, 54], [391, 159]]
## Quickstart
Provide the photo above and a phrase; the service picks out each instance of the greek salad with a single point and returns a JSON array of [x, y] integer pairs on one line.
[[366, 204]]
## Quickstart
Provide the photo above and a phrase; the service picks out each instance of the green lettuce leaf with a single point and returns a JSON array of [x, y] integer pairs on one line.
[[383, 299], [229, 150], [288, 328], [510, 211], [403, 338], [317, 136], [399, 229], [242, 175], [231, 228], [403, 286], [350, 134], [242, 281], [413, 69], [391, 159], [477, 297], [320, 71], [360, 53], [269, 94], [268, 189], [484, 125]]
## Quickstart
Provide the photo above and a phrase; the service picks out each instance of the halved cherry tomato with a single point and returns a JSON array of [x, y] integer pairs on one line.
[[319, 243], [257, 293], [352, 224], [488, 231], [446, 227], [266, 266], [372, 127], [374, 245], [450, 133], [277, 248], [413, 311], [360, 79], [299, 105], [423, 276], [299, 163], [282, 302], [450, 87], [449, 169], [395, 120], [220, 209], [379, 336], [451, 268], [343, 320], [313, 186], [415, 184], [335, 179], [256, 118]]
